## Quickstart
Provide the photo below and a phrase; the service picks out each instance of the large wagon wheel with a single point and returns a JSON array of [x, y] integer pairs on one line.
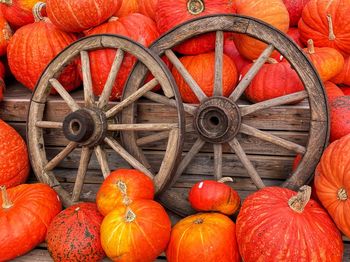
[[217, 120], [92, 123]]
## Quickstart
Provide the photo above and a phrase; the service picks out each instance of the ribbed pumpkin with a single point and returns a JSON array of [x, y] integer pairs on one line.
[[74, 234], [172, 13], [14, 163], [327, 22], [18, 12], [25, 214], [145, 7], [5, 35], [231, 51], [332, 90], [344, 76], [148, 8], [332, 182], [209, 195], [139, 232], [273, 80], [295, 8], [122, 187], [32, 48], [293, 33], [340, 115], [346, 90], [276, 224], [136, 26], [79, 15], [328, 61], [273, 12], [203, 237], [203, 74]]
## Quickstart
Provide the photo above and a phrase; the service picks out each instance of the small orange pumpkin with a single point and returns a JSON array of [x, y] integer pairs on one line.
[[344, 76]]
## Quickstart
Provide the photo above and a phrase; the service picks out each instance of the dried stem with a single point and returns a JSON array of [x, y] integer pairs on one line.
[[6, 202], [37, 11], [342, 194], [298, 202], [130, 216], [310, 46], [331, 35], [225, 180], [6, 2]]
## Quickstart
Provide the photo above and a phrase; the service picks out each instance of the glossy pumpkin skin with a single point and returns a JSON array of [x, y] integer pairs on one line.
[[332, 90], [314, 24], [122, 187], [24, 225], [340, 117], [172, 13], [138, 27], [137, 233], [203, 74], [231, 50], [14, 163], [344, 76], [203, 237], [32, 48], [268, 229], [295, 8], [209, 195], [332, 182], [5, 35], [273, 12], [74, 234]]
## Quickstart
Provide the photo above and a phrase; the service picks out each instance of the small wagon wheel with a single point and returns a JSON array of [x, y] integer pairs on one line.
[[229, 116], [91, 124]]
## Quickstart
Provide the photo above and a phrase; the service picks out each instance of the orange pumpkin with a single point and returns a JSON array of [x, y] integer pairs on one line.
[[203, 237], [344, 76], [203, 74], [231, 50], [148, 8], [138, 232], [5, 35], [122, 187], [273, 12], [332, 90], [127, 7], [328, 61], [332, 182]]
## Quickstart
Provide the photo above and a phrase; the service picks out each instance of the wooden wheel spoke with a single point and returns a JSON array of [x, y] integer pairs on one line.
[[102, 160], [107, 90], [87, 81], [60, 156], [86, 153], [186, 75], [248, 130], [64, 94], [295, 97], [237, 148], [49, 124], [132, 98], [141, 127], [126, 156], [244, 83], [217, 161], [219, 52]]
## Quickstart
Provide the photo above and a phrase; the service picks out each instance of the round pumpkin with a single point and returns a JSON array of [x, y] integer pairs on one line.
[[127, 7], [332, 182], [344, 76], [340, 117], [327, 23], [295, 8], [203, 237], [122, 187], [78, 15], [209, 195], [172, 13], [25, 214], [148, 8], [138, 27], [346, 90], [293, 33], [231, 50], [332, 90], [277, 224], [138, 232], [74, 234], [273, 12], [203, 74], [5, 35]]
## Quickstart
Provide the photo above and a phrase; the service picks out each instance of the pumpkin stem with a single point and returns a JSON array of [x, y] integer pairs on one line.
[[198, 221], [195, 7], [298, 202], [122, 187], [331, 28], [130, 216], [38, 7], [310, 46], [342, 194], [113, 18], [225, 180], [6, 202], [271, 60], [6, 2]]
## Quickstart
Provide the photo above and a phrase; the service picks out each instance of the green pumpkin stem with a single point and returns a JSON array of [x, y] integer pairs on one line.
[[37, 11], [195, 7], [331, 35], [6, 2], [310, 46], [342, 194], [225, 180], [298, 202], [6, 202]]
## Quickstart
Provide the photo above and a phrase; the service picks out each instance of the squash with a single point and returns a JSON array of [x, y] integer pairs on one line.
[[295, 8], [293, 33], [231, 50], [332, 90], [340, 115], [5, 35], [145, 7], [344, 76], [346, 90]]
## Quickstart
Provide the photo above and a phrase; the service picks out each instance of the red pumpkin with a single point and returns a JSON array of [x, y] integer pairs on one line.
[[74, 234], [210, 195], [332, 182], [127, 7], [78, 15], [340, 117], [136, 26], [327, 23], [273, 80], [122, 187], [172, 13], [332, 90], [148, 8], [346, 90], [197, 66], [231, 51], [295, 8], [276, 224], [25, 213], [344, 76], [203, 237], [139, 232], [293, 33], [273, 12], [5, 35]]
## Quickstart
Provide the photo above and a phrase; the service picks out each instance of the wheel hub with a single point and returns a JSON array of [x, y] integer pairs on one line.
[[217, 120]]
